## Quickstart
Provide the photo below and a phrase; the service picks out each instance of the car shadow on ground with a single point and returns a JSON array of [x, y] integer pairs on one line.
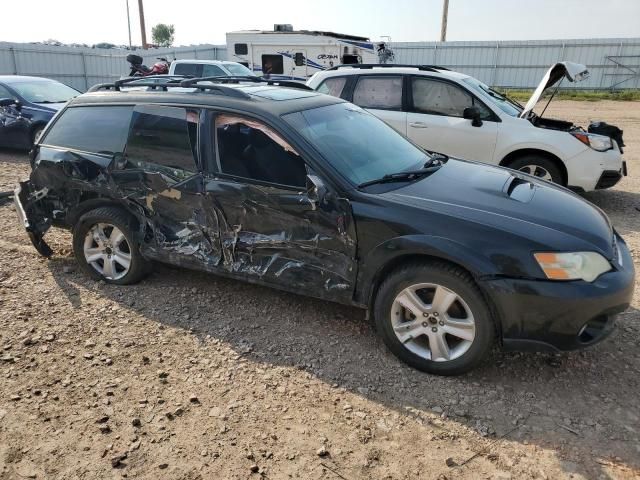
[[570, 403], [621, 206]]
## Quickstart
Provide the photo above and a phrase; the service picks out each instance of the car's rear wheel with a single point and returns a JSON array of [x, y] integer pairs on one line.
[[106, 248], [538, 166], [433, 317]]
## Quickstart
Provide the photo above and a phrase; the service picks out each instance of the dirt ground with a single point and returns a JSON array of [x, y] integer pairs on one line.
[[190, 376]]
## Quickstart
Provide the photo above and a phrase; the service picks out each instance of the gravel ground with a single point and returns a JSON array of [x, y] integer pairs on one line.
[[190, 376]]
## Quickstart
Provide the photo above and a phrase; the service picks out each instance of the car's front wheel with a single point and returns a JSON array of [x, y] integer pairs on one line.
[[433, 317], [538, 166], [105, 246]]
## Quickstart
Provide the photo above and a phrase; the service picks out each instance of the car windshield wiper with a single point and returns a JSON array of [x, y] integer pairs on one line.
[[402, 176]]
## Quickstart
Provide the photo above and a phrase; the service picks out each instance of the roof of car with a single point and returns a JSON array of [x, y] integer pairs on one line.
[[22, 78], [376, 70], [266, 99]]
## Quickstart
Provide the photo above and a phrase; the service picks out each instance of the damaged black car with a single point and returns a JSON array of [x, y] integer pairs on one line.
[[271, 183]]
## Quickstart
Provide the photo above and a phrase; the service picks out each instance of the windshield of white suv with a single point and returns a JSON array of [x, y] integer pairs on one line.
[[357, 144], [238, 69], [48, 91], [505, 104]]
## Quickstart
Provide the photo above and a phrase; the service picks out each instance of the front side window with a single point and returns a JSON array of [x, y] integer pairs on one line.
[[443, 98], [44, 91], [379, 92], [333, 86], [357, 144], [239, 69], [91, 129], [250, 149], [212, 71], [272, 64], [4, 93], [164, 139]]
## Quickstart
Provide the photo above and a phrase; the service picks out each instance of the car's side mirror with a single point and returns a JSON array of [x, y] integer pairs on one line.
[[473, 114], [316, 189], [119, 161]]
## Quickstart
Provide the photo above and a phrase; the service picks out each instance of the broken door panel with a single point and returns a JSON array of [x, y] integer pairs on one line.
[[281, 237]]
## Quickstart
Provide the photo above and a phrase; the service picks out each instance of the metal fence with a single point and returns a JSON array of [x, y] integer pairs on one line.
[[84, 67], [614, 63]]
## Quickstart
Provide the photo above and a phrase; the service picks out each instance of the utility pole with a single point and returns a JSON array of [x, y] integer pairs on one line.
[[128, 24], [142, 28], [445, 14]]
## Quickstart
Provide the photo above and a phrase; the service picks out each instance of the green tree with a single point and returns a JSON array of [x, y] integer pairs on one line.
[[162, 34]]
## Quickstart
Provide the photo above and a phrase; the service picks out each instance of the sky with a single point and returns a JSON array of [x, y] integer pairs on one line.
[[207, 21]]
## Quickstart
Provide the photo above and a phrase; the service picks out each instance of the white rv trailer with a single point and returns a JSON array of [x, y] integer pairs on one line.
[[285, 52]]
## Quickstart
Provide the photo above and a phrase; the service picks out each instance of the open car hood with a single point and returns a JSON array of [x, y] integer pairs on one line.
[[574, 72]]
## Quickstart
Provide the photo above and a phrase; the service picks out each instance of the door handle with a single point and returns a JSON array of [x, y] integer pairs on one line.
[[418, 125]]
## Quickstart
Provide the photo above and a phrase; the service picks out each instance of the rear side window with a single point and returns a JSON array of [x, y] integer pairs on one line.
[[164, 139], [91, 129], [333, 86], [241, 49], [442, 98], [188, 69], [379, 92], [272, 64]]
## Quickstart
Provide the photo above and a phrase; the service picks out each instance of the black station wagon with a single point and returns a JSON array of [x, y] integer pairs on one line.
[[271, 183]]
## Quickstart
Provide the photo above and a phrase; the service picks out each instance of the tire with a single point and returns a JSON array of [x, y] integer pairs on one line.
[[468, 308], [111, 248], [537, 165], [36, 134]]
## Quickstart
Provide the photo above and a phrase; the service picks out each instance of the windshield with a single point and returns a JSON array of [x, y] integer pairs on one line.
[[505, 104], [357, 144], [238, 69], [44, 91]]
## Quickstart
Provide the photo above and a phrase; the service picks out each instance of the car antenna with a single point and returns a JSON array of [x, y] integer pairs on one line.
[[551, 98]]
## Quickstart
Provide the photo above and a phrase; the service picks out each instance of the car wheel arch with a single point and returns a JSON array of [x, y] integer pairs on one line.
[[88, 203], [402, 260], [515, 154]]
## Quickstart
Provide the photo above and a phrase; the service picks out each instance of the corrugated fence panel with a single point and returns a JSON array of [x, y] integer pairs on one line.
[[84, 67], [515, 64]]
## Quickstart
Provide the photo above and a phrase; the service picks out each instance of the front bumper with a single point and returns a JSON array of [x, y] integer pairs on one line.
[[35, 230], [541, 315]]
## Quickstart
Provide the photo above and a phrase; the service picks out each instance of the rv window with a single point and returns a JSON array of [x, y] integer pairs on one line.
[[379, 92], [272, 64], [350, 59], [241, 49], [250, 149], [333, 86], [298, 59]]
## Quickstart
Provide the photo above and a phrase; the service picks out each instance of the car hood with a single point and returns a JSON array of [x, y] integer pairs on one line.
[[510, 201], [574, 72]]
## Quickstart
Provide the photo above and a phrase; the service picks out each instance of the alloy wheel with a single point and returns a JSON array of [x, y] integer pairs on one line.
[[537, 171], [433, 322], [107, 250]]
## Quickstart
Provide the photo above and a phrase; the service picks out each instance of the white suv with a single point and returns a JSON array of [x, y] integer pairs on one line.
[[455, 114]]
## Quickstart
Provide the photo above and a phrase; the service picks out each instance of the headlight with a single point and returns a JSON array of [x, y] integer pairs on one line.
[[597, 142], [585, 266]]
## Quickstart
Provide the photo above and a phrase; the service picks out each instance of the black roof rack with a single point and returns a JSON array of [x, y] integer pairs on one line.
[[193, 82], [366, 66], [212, 84]]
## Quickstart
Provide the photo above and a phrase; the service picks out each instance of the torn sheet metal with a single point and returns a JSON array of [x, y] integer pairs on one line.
[[258, 233]]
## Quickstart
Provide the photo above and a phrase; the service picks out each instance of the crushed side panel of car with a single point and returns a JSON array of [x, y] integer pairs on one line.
[[283, 238]]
